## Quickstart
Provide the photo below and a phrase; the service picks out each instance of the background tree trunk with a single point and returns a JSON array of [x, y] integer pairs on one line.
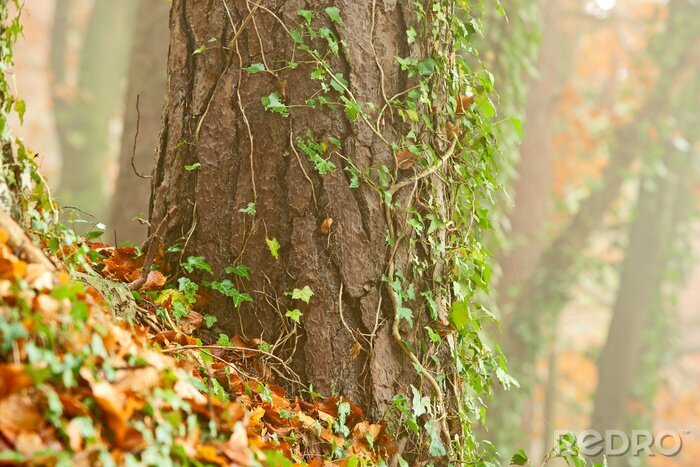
[[642, 279], [215, 118], [147, 81], [542, 297], [83, 114]]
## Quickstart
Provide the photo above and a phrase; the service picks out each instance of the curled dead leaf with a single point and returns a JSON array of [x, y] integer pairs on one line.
[[326, 226], [452, 131], [355, 350], [29, 443], [405, 159], [192, 322], [154, 281], [112, 404], [463, 104]]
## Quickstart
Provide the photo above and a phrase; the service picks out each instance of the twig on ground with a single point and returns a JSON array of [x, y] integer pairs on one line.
[[21, 244]]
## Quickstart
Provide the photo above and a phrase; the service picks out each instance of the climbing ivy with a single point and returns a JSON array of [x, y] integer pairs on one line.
[[451, 148]]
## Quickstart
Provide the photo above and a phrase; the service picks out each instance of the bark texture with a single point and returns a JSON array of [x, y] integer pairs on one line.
[[214, 117], [147, 82]]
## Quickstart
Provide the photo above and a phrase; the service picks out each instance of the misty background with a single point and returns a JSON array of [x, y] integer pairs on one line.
[[599, 283]]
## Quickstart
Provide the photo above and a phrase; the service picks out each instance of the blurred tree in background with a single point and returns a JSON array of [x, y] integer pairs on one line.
[[147, 79], [87, 101]]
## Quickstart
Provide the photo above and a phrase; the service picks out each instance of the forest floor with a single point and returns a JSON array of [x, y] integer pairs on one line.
[[89, 375]]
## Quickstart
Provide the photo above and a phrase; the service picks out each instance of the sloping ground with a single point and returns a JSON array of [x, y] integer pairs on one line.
[[79, 386]]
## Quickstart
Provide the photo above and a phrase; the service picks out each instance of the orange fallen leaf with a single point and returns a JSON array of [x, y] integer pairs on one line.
[[14, 378], [154, 281], [19, 413], [405, 159], [463, 103], [326, 226]]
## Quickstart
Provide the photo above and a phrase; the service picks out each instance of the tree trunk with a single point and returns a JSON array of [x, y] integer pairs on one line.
[[215, 118], [147, 81], [532, 191], [83, 114], [640, 285]]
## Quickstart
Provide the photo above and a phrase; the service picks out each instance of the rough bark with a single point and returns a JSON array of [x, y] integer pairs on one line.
[[146, 82], [210, 111]]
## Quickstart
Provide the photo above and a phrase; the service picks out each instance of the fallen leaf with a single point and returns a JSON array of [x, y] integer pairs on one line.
[[405, 159], [19, 413], [154, 281], [14, 378], [463, 104], [326, 226]]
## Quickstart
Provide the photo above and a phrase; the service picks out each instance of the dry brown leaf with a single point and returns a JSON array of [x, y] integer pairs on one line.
[[139, 380], [154, 281], [13, 378], [192, 322], [405, 159], [209, 453], [188, 392], [46, 305], [112, 404], [19, 413], [75, 435], [355, 350], [29, 443], [255, 421], [326, 226], [463, 104], [452, 131]]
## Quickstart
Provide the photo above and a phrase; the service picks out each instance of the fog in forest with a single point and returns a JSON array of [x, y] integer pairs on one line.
[[598, 283]]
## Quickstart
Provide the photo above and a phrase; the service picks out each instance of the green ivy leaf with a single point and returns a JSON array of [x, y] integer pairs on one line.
[[249, 209], [274, 247], [227, 288], [273, 103], [421, 404], [519, 458], [192, 167], [406, 314], [295, 315], [224, 340], [210, 320], [302, 294], [188, 288], [334, 14], [196, 262], [255, 68], [241, 271], [436, 449], [308, 15]]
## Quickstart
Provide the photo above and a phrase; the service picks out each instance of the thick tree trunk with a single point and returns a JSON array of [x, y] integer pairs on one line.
[[214, 117], [147, 81]]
